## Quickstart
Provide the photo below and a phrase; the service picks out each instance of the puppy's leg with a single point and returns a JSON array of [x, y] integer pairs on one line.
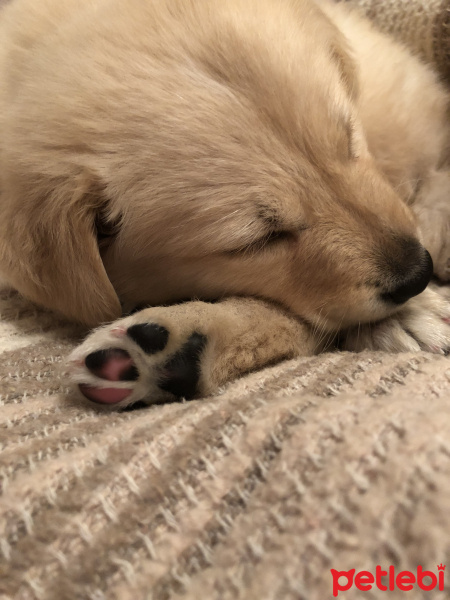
[[432, 207], [186, 350], [422, 324]]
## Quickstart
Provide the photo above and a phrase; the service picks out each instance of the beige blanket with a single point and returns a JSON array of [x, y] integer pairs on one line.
[[335, 462], [422, 25], [338, 461]]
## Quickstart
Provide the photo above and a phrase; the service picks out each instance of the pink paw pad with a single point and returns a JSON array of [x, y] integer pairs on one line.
[[112, 364], [104, 395]]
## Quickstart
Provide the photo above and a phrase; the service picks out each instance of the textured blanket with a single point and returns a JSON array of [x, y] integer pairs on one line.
[[340, 461], [337, 461], [422, 25]]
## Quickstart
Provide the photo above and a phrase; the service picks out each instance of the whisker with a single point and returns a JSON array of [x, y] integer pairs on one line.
[[334, 334], [317, 323], [323, 334]]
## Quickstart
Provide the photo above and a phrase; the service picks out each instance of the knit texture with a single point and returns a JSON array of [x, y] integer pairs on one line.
[[336, 461], [422, 25]]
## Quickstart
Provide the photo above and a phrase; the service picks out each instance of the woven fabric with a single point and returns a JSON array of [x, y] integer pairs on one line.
[[337, 461], [423, 25]]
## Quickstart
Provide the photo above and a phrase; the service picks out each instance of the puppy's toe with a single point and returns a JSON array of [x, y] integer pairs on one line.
[[388, 335], [423, 324], [107, 395], [113, 364], [150, 337]]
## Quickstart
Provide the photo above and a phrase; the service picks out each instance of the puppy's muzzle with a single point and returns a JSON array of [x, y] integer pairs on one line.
[[412, 277]]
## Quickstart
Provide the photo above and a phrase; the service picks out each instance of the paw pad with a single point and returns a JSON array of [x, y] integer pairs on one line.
[[150, 337], [104, 395], [113, 364], [181, 372]]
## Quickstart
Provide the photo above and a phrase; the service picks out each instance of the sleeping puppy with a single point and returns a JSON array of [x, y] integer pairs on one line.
[[278, 155]]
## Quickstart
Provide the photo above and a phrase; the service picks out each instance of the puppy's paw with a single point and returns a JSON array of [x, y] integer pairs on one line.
[[422, 324], [141, 357], [184, 351]]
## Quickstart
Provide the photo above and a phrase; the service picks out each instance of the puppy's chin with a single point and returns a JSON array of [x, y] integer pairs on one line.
[[342, 317]]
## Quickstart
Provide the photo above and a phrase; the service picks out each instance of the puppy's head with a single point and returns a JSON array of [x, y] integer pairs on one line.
[[237, 165], [265, 185]]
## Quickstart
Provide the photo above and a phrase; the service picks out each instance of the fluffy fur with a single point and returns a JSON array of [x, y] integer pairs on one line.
[[280, 149]]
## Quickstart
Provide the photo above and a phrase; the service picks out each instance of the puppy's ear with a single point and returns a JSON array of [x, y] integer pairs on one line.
[[341, 54], [49, 253]]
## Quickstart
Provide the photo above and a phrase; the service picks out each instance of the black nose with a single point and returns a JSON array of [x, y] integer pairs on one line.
[[414, 281]]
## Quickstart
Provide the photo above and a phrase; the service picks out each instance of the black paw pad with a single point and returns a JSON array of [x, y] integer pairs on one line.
[[95, 360], [182, 371], [150, 337]]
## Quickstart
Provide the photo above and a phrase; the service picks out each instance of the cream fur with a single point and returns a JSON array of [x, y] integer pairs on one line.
[[283, 150]]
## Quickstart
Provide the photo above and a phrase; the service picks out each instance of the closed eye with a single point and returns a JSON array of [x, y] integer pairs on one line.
[[272, 238]]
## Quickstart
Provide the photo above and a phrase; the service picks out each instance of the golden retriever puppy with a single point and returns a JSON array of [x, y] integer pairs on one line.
[[281, 154]]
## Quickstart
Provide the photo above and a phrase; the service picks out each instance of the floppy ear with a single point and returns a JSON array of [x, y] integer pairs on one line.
[[341, 54], [49, 253]]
